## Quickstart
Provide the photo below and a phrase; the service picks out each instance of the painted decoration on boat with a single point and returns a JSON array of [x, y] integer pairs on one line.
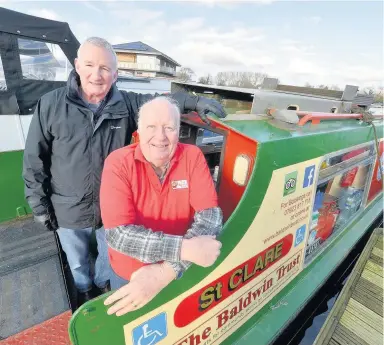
[[244, 282]]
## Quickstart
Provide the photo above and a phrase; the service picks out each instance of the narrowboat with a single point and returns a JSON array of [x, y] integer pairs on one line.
[[299, 179]]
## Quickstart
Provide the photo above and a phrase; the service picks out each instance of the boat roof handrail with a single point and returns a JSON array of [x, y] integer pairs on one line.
[[316, 117], [244, 117]]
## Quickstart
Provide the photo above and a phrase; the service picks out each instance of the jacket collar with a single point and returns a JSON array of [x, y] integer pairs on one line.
[[115, 104]]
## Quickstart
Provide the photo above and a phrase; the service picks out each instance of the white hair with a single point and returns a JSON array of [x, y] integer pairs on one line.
[[99, 42], [171, 102]]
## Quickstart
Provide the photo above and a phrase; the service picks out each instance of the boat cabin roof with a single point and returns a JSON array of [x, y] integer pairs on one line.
[[25, 25], [264, 128]]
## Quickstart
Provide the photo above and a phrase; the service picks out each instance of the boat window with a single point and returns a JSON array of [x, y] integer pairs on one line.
[[241, 170], [43, 61], [3, 84], [342, 187], [293, 107], [377, 177], [339, 161], [334, 110]]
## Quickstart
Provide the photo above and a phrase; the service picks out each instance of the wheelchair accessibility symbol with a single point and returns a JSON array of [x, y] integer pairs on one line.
[[151, 331]]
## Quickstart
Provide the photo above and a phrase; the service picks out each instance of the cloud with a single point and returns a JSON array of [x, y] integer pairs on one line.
[[187, 25], [204, 57], [296, 47], [314, 20], [236, 36], [360, 74], [83, 30], [45, 13], [133, 14], [229, 4], [209, 47], [92, 6], [302, 66]]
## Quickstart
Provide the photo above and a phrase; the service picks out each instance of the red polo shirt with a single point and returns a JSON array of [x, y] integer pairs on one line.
[[131, 193]]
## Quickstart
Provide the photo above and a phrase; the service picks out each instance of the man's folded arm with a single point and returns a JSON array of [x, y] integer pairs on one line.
[[150, 246], [144, 244], [206, 222]]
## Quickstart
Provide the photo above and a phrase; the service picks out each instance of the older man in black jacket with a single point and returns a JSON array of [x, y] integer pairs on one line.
[[73, 130]]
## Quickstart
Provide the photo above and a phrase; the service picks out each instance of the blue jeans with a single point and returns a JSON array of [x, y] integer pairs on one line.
[[75, 244], [116, 281]]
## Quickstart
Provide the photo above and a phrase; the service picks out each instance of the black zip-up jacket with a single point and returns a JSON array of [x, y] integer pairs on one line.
[[66, 147]]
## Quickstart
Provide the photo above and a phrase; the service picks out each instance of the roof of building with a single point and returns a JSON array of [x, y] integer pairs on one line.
[[140, 47], [303, 91], [311, 91], [216, 87]]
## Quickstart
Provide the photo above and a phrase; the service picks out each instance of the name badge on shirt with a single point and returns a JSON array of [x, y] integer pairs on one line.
[[180, 184]]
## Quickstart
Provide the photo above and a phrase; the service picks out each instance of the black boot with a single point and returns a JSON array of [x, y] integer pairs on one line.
[[105, 289], [83, 297]]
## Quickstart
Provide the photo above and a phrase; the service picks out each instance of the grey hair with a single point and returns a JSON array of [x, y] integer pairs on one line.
[[173, 103], [99, 42]]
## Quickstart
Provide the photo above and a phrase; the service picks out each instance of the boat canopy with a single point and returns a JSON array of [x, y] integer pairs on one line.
[[36, 56]]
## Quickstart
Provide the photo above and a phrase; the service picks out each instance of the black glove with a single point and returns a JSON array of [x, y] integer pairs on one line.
[[48, 220], [209, 105]]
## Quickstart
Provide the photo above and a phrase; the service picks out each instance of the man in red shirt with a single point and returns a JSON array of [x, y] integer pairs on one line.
[[159, 208]]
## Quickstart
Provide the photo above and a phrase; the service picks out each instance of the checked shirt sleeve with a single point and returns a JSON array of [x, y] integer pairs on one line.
[[144, 244], [206, 222]]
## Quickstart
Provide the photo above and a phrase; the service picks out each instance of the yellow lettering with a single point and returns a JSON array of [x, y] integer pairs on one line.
[[259, 264], [270, 256], [207, 297], [232, 285], [246, 274], [278, 250]]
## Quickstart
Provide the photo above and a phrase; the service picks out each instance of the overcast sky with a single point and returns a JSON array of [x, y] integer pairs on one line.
[[324, 42]]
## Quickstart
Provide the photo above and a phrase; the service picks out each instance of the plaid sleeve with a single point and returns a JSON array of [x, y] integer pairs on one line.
[[206, 222], [144, 244]]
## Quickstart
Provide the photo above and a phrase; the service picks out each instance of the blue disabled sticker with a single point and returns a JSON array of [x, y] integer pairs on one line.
[[300, 235], [151, 331]]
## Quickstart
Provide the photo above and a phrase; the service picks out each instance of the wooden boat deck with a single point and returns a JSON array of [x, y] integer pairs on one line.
[[357, 316]]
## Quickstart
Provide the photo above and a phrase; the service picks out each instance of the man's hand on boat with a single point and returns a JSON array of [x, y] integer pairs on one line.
[[144, 285], [206, 105], [149, 280]]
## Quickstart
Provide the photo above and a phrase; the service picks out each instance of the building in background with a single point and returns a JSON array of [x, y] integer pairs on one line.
[[140, 59]]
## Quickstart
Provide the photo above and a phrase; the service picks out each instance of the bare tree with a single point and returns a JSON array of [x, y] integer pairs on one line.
[[208, 80], [335, 87], [376, 93], [240, 79], [379, 96], [323, 86], [221, 79], [185, 74]]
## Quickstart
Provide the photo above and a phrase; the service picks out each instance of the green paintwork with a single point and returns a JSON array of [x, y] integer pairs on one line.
[[13, 203], [277, 148], [266, 130]]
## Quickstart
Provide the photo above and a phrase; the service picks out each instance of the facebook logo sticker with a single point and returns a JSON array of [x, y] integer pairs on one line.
[[300, 235], [309, 175], [151, 331]]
